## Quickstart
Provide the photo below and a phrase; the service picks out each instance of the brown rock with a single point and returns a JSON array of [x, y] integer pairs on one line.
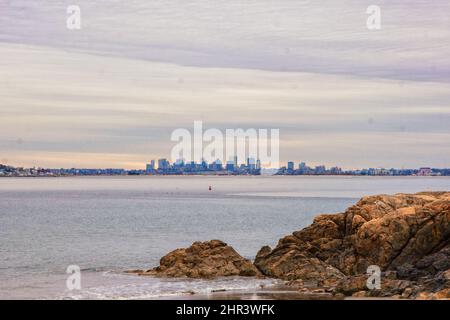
[[407, 293], [442, 294], [389, 287], [424, 296], [360, 294], [204, 260], [446, 275], [408, 233], [430, 265], [350, 285], [288, 263], [439, 295]]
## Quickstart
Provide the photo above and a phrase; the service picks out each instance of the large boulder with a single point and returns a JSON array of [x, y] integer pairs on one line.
[[208, 259], [408, 233], [289, 263]]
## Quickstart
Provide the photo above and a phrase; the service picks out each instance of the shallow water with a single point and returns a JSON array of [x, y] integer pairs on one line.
[[109, 224]]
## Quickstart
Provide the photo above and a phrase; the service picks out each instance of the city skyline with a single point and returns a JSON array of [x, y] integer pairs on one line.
[[155, 161], [251, 166]]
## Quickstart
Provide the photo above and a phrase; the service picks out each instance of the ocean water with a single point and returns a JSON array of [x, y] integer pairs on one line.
[[106, 225]]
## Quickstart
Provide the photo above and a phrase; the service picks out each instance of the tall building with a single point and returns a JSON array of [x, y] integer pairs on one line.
[[251, 164], [150, 167], [335, 170], [217, 165], [163, 164], [179, 163], [290, 165], [230, 166], [204, 165], [320, 170]]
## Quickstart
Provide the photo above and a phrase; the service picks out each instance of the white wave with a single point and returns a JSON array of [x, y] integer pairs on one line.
[[124, 287]]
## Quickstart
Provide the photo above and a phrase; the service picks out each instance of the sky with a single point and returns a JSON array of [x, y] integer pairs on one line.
[[111, 93]]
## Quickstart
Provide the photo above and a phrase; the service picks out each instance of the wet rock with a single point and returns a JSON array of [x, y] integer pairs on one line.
[[135, 271]]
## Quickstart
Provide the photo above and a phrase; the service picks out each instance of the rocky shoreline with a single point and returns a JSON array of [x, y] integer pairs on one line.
[[394, 246]]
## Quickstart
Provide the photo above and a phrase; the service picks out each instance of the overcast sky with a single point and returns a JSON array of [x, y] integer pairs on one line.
[[110, 94]]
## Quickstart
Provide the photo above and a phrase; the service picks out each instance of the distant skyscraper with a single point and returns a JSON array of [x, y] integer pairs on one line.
[[204, 164], [163, 164], [217, 165], [251, 164], [150, 167], [320, 170], [290, 165], [179, 162], [230, 166]]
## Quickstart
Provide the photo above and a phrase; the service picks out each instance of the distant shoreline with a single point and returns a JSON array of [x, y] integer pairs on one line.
[[219, 175]]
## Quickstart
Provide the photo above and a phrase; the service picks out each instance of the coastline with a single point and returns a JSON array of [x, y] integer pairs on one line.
[[281, 176], [269, 294]]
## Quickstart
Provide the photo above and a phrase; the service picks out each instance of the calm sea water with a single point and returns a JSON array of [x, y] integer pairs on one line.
[[109, 224]]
